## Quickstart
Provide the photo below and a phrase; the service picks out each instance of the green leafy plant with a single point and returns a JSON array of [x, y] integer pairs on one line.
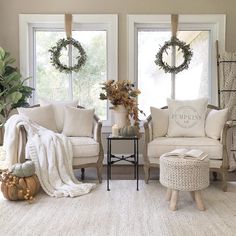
[[13, 92]]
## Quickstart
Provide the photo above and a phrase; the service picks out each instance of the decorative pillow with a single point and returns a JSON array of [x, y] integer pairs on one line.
[[78, 122], [159, 121], [43, 116], [215, 121], [58, 108], [187, 117]]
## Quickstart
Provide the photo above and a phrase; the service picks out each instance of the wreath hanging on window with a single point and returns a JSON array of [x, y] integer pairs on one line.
[[185, 49], [56, 54], [63, 43]]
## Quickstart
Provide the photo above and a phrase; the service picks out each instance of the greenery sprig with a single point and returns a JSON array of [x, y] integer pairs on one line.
[[56, 54], [187, 55]]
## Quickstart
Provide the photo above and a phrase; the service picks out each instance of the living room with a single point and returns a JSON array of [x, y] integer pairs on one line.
[[125, 107]]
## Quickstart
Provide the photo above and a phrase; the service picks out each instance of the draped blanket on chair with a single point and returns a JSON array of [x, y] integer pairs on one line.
[[228, 98], [51, 153]]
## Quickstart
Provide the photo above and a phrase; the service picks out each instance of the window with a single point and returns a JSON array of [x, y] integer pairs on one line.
[[148, 34], [97, 34]]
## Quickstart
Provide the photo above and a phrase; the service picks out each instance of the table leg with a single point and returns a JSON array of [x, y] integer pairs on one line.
[[174, 200], [108, 164], [135, 160], [199, 200], [168, 194], [137, 164]]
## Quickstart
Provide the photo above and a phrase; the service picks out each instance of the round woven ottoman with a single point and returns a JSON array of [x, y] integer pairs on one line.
[[184, 174]]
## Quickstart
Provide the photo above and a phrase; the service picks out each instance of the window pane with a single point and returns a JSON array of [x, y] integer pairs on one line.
[[154, 83], [84, 85], [87, 82], [49, 82], [194, 82]]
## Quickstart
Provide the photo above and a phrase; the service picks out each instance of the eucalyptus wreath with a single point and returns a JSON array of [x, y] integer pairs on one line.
[[56, 54], [187, 55]]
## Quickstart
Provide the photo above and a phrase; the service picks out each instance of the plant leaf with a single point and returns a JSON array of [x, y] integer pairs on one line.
[[2, 67], [2, 53], [15, 97]]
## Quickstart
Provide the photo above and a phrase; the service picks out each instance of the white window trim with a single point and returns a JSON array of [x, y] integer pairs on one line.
[[216, 22], [26, 21]]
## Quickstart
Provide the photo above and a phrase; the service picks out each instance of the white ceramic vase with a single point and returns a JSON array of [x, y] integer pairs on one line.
[[120, 116]]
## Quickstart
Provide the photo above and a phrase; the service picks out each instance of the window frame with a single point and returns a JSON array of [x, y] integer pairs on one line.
[[28, 22], [215, 23]]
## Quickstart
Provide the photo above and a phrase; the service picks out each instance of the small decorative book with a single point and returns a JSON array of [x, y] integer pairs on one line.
[[187, 153]]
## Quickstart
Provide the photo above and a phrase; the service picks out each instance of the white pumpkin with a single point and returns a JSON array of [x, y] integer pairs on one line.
[[25, 169]]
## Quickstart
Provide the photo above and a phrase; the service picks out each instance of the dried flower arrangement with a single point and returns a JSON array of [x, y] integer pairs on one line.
[[122, 93]]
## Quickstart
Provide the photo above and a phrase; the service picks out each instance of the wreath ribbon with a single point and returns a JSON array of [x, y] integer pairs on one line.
[[68, 25], [174, 24]]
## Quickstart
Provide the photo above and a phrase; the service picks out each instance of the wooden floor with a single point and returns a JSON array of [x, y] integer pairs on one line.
[[124, 172]]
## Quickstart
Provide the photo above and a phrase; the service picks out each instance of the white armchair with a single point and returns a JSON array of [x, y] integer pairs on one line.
[[87, 151], [216, 149]]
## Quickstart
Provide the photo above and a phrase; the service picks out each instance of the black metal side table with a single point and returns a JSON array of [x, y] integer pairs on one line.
[[112, 159]]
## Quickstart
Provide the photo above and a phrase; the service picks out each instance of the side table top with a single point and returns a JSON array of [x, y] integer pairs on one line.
[[110, 137]]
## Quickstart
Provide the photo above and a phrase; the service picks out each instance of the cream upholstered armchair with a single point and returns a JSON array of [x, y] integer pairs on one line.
[[215, 148], [87, 151]]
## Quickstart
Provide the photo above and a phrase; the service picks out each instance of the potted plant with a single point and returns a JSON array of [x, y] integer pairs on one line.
[[122, 95], [13, 92]]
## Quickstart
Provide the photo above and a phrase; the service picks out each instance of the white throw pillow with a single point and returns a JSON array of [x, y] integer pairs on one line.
[[215, 121], [187, 117], [78, 122], [43, 116], [58, 108], [159, 121]]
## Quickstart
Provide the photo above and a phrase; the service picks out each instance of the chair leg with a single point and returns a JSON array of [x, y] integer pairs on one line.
[[82, 173], [199, 200], [224, 180], [174, 200], [168, 194], [99, 173], [147, 173], [214, 176]]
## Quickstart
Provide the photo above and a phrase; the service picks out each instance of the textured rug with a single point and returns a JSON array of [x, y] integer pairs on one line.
[[122, 211]]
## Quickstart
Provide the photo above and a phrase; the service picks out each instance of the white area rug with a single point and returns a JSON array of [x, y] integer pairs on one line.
[[122, 211]]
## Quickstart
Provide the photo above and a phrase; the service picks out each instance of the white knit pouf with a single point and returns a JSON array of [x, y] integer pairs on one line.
[[184, 174]]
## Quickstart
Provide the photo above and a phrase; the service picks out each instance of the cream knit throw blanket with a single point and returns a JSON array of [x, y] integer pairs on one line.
[[228, 99], [51, 153]]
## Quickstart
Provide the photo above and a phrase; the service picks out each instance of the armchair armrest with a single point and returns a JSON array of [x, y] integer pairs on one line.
[[148, 129], [22, 143], [231, 123], [97, 129], [148, 137]]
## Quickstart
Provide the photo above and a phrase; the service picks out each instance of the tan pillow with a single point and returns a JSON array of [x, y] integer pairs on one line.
[[159, 121], [43, 116], [58, 108], [187, 117], [215, 121], [78, 122]]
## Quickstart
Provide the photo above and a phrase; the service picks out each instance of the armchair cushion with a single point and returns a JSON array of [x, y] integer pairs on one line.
[[215, 122], [162, 145], [84, 146], [159, 121], [43, 116], [58, 108], [187, 117], [78, 122]]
